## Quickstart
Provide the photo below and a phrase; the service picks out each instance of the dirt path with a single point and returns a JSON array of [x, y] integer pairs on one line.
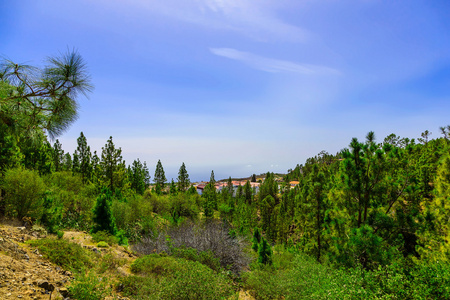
[[24, 273]]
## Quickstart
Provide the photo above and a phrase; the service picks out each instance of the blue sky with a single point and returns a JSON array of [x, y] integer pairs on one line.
[[239, 86]]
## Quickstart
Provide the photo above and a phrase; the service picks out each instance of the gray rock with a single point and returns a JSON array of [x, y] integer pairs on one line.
[[45, 285]]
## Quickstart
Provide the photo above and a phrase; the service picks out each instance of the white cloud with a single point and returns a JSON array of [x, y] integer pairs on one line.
[[272, 65], [256, 19]]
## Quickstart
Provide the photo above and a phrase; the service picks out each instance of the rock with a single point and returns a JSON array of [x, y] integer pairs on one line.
[[45, 285], [64, 292]]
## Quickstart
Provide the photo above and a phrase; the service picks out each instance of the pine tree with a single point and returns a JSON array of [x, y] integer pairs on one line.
[[45, 98], [58, 156], [160, 177], [84, 157], [256, 240], [265, 253], [103, 218], [139, 176], [268, 187], [210, 196], [212, 180], [248, 192], [67, 162], [230, 187], [112, 166], [240, 191], [438, 240], [268, 217], [75, 162], [173, 188], [183, 179]]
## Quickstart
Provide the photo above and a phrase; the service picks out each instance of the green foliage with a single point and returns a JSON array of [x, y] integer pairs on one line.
[[183, 206], [58, 156], [296, 276], [10, 154], [139, 176], [437, 240], [268, 188], [256, 240], [112, 166], [65, 254], [173, 188], [103, 218], [196, 281], [60, 234], [160, 177], [88, 286], [183, 178], [268, 217], [110, 262], [204, 257], [104, 236], [178, 279], [43, 99], [23, 193], [102, 244], [84, 157], [68, 202], [210, 199], [264, 253]]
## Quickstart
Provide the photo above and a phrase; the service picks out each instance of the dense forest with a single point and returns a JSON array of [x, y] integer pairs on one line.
[[370, 222]]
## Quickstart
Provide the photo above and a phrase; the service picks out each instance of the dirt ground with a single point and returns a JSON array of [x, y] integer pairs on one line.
[[26, 274]]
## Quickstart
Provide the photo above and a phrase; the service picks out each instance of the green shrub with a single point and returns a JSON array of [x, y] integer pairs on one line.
[[182, 206], [139, 287], [52, 212], [68, 202], [177, 279], [265, 253], [109, 262], [160, 204], [103, 218], [193, 280], [102, 244], [122, 238], [64, 253], [88, 286], [23, 193], [204, 257], [155, 264], [60, 234], [103, 236], [297, 276]]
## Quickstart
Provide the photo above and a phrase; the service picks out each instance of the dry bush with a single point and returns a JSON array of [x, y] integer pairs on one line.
[[210, 236]]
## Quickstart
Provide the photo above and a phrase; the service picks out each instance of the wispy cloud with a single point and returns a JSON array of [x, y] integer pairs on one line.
[[272, 65], [256, 19]]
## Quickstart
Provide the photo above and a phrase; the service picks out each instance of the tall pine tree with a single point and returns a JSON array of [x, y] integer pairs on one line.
[[183, 179], [160, 177], [112, 166]]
